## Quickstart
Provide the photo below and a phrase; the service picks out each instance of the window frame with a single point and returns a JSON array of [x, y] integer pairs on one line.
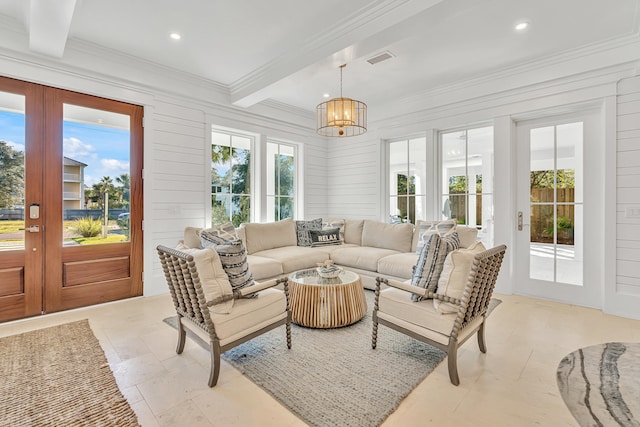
[[297, 201], [252, 171]]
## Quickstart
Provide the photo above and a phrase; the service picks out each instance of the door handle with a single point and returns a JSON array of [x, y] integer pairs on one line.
[[520, 220], [31, 229]]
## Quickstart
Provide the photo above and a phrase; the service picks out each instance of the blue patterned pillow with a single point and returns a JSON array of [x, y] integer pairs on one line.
[[304, 227], [431, 260]]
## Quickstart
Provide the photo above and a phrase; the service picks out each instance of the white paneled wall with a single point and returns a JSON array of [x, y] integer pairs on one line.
[[354, 176], [628, 191]]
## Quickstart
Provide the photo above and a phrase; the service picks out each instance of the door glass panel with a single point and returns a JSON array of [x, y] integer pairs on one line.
[[96, 180], [12, 176], [556, 203]]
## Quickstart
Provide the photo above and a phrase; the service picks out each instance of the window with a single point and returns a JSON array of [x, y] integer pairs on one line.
[[408, 180], [281, 171], [467, 179], [230, 178]]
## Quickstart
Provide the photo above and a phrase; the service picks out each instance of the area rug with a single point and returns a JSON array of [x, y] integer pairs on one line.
[[332, 377], [600, 384], [59, 376]]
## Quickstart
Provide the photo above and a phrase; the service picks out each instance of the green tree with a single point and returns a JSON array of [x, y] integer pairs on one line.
[[123, 191], [105, 185], [11, 176]]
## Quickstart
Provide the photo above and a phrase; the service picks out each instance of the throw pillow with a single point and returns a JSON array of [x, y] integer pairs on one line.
[[225, 231], [213, 278], [424, 229], [325, 237], [303, 228], [455, 272], [335, 223], [233, 256], [431, 261]]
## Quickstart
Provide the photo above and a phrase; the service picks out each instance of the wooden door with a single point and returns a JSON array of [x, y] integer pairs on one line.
[[76, 146], [21, 178]]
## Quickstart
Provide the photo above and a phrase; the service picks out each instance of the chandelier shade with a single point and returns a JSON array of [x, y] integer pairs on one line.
[[341, 117]]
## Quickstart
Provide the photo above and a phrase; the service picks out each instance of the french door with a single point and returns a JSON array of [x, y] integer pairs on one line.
[[70, 199], [560, 213]]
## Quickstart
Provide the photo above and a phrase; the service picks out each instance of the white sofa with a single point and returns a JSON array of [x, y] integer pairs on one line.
[[370, 248]]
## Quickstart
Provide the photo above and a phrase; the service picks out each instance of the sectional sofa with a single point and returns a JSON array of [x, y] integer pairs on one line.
[[370, 248]]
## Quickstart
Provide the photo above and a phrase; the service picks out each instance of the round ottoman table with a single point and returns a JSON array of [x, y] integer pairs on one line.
[[317, 302]]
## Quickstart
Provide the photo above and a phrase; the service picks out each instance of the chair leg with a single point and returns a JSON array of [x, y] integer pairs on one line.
[[289, 335], [452, 356], [481, 339], [214, 349], [374, 334], [182, 334]]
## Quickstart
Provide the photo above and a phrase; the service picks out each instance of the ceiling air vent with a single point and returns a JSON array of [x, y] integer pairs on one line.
[[380, 57]]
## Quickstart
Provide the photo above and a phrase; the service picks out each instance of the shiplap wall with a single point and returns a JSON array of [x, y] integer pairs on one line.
[[628, 189], [354, 177], [177, 168]]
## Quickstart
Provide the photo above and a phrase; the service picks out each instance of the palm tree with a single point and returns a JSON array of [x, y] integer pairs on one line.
[[124, 189]]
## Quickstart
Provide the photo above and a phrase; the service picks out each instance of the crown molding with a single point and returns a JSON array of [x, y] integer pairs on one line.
[[531, 73]]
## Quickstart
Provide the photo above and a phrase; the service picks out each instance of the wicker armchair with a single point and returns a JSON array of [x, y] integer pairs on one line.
[[420, 320], [249, 318]]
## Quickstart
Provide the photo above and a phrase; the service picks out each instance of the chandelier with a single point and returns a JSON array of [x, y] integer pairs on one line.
[[341, 117]]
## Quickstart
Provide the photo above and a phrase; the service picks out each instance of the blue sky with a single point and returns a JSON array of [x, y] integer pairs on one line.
[[105, 150]]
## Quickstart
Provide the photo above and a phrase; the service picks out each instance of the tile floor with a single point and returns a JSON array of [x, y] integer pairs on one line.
[[512, 385]]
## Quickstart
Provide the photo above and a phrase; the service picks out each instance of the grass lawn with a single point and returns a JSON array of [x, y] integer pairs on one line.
[[11, 226], [111, 238]]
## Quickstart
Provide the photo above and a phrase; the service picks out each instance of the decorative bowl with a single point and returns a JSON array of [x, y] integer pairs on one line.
[[329, 272]]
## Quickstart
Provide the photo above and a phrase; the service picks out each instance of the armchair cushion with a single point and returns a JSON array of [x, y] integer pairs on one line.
[[454, 276], [214, 280], [419, 315], [249, 315], [192, 237], [431, 261]]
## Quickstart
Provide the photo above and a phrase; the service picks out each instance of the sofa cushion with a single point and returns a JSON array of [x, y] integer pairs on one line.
[[454, 276], [326, 237], [467, 235], [363, 257], [395, 302], [353, 231], [249, 315], [304, 227], [398, 265], [213, 278], [192, 237], [426, 228], [387, 236], [264, 268], [293, 258], [431, 261], [260, 237]]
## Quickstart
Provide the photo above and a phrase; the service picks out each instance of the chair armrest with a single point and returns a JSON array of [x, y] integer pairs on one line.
[[416, 290], [257, 287]]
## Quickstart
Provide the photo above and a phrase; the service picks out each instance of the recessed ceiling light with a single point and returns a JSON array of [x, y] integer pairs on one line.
[[175, 36], [521, 26], [326, 95]]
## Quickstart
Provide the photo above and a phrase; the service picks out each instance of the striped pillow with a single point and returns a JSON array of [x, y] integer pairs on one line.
[[431, 260], [233, 256]]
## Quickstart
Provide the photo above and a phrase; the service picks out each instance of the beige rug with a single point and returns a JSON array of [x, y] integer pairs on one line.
[[59, 376]]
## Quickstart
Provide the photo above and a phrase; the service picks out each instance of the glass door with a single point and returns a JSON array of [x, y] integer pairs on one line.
[[70, 199], [552, 185], [21, 237]]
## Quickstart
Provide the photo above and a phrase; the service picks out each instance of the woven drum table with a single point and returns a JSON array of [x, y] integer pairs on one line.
[[317, 302]]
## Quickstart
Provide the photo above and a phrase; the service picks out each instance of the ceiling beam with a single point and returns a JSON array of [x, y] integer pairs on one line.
[[362, 24], [48, 24]]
